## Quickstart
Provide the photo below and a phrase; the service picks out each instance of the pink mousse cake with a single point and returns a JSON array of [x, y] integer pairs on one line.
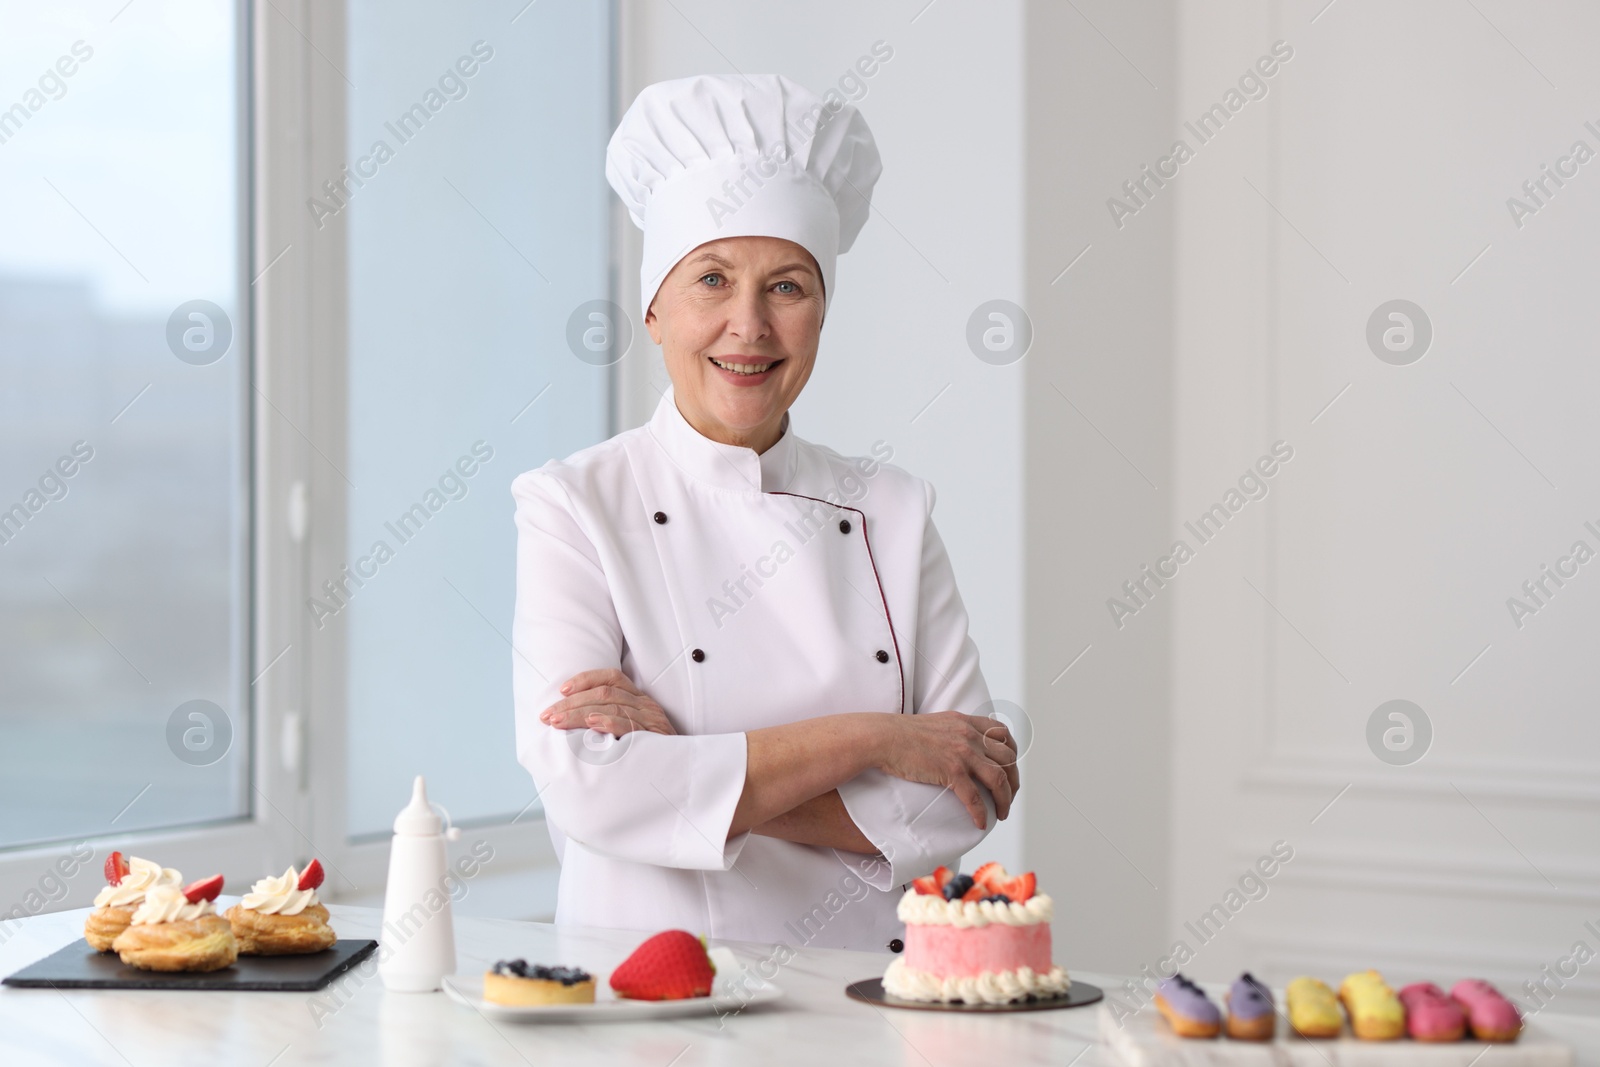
[[982, 938]]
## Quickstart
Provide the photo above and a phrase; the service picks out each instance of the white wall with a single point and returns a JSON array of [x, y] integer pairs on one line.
[[1413, 508], [1098, 477], [945, 236]]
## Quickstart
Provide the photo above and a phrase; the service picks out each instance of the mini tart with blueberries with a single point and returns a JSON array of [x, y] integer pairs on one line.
[[520, 984]]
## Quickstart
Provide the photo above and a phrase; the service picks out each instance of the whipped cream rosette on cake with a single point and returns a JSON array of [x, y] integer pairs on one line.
[[975, 939]]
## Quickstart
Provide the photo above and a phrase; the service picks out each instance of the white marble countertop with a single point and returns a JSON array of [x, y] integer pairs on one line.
[[814, 1025]]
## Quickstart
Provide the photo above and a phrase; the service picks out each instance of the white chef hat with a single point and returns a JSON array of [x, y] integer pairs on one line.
[[699, 159]]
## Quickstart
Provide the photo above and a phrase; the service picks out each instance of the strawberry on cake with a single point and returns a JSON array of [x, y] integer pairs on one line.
[[982, 938]]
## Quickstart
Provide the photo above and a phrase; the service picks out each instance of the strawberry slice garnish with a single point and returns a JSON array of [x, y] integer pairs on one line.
[[990, 875], [1020, 889], [312, 876], [977, 892], [204, 889], [672, 965], [116, 867], [932, 885]]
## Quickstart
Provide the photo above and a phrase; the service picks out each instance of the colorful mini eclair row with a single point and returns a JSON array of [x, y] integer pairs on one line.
[[1421, 1010]]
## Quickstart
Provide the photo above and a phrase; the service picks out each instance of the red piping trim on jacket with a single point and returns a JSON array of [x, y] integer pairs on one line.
[[893, 639]]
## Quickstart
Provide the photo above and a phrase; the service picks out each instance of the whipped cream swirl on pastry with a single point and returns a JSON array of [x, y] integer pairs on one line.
[[923, 910], [142, 876], [167, 904], [989, 987], [280, 895]]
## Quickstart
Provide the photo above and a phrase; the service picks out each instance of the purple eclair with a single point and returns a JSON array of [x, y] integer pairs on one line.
[[1187, 1009], [1252, 1015]]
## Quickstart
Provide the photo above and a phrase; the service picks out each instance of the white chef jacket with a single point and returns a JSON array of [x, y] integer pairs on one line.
[[727, 586]]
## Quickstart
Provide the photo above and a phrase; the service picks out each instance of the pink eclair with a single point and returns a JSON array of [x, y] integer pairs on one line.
[[1491, 1016], [1430, 1015]]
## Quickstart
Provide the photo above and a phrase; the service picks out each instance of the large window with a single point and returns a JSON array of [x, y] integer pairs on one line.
[[124, 419], [274, 293], [478, 232]]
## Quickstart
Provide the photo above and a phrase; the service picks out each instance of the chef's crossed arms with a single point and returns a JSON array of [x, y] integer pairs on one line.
[[948, 748]]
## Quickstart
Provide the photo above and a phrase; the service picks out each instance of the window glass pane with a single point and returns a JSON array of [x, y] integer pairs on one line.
[[124, 503], [477, 230]]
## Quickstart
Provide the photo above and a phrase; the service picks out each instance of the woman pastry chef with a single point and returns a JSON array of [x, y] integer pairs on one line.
[[744, 685]]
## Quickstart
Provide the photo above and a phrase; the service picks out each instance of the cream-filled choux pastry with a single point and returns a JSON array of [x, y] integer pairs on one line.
[[127, 880], [281, 915], [178, 930]]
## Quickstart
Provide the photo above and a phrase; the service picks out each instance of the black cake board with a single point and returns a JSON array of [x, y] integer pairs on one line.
[[80, 967], [871, 991]]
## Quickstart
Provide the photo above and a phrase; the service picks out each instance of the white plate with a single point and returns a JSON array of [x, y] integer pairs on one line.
[[734, 989]]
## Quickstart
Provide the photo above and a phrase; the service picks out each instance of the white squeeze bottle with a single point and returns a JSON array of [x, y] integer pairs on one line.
[[418, 940]]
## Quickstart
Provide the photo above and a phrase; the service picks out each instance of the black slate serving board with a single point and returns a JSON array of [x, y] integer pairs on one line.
[[80, 967]]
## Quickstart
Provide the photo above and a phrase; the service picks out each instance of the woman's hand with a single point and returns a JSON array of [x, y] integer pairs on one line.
[[960, 752], [608, 701]]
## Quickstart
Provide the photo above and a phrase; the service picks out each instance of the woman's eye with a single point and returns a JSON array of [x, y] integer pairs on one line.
[[791, 290], [708, 278]]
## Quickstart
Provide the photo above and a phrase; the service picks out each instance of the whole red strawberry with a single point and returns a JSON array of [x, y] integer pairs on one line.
[[669, 966]]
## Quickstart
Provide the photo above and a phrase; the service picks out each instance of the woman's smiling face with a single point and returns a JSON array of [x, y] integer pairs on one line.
[[738, 321]]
